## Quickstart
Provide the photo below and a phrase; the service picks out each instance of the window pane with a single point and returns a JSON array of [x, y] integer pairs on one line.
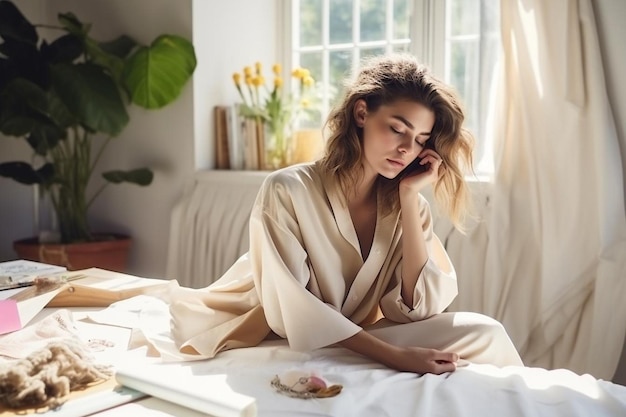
[[472, 48], [401, 47], [340, 63], [313, 62], [310, 22], [464, 75], [464, 17], [372, 20], [340, 21], [372, 52], [400, 19]]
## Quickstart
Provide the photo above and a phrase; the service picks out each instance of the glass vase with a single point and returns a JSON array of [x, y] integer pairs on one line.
[[278, 146]]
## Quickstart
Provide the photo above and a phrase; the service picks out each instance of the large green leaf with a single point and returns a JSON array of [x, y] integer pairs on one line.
[[91, 95], [24, 173], [71, 23], [67, 48], [20, 96], [14, 25], [120, 46], [113, 63], [140, 176], [59, 113], [45, 137], [25, 110], [23, 60], [155, 75]]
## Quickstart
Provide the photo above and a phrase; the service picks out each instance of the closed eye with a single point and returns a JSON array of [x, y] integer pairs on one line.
[[422, 142], [396, 131]]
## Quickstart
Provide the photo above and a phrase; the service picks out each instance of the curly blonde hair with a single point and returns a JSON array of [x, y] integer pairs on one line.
[[383, 80]]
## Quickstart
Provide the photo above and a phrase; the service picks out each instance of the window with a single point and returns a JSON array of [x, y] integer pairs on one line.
[[457, 39]]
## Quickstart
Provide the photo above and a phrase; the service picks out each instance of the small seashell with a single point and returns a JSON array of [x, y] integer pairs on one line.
[[316, 383]]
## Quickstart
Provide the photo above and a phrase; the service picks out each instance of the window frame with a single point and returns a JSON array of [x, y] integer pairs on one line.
[[426, 31], [428, 41]]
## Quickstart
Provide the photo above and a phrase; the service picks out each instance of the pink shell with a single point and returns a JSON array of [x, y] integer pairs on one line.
[[316, 382]]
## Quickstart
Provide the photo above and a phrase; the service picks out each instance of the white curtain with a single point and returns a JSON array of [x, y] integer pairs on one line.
[[554, 271], [557, 249]]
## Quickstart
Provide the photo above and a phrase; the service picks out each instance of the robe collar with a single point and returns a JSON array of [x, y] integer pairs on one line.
[[386, 225]]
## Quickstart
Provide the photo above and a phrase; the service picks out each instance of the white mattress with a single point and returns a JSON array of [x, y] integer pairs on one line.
[[370, 389], [234, 377]]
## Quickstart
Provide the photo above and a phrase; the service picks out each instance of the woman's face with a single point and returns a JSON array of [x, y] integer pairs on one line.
[[393, 136]]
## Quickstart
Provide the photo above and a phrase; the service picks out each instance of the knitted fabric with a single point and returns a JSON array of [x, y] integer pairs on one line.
[[46, 377]]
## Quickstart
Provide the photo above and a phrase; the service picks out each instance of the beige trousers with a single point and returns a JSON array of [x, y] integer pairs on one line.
[[475, 337]]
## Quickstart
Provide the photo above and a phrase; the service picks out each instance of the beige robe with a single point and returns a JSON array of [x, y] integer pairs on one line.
[[304, 277]]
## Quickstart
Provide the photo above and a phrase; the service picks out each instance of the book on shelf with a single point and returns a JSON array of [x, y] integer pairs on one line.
[[220, 120], [253, 144], [234, 129], [239, 141]]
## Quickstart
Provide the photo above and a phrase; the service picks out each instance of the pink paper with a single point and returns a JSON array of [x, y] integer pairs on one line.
[[9, 316]]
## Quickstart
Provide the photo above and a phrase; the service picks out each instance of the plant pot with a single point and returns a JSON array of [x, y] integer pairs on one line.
[[108, 251]]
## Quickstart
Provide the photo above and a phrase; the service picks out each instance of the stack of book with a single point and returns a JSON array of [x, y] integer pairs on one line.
[[239, 141]]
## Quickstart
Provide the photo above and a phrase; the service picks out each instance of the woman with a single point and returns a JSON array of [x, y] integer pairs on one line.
[[342, 251]]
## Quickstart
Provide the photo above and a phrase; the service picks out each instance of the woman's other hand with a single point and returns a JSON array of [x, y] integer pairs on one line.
[[434, 166], [422, 360]]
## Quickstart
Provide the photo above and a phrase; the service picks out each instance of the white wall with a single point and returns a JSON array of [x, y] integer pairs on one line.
[[228, 35]]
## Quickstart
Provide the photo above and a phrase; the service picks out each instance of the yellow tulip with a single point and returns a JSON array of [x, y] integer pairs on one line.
[[248, 80], [247, 71], [258, 81], [277, 69], [308, 81], [305, 73], [237, 78], [297, 72], [278, 82]]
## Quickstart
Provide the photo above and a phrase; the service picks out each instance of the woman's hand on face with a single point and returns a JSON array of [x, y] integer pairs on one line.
[[423, 360], [415, 182]]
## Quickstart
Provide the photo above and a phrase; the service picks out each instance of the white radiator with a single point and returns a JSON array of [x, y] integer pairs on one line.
[[209, 227]]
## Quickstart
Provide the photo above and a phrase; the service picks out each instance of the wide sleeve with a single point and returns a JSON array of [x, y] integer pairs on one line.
[[281, 272], [436, 285]]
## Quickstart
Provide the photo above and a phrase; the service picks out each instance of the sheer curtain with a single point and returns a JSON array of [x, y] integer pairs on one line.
[[554, 271]]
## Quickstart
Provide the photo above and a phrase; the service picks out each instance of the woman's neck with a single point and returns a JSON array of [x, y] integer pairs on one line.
[[364, 192]]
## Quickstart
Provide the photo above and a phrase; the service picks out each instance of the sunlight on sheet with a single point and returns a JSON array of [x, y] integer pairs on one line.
[[543, 379]]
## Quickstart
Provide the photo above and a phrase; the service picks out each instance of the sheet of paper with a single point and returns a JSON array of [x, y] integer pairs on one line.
[[10, 316], [31, 306], [6, 294]]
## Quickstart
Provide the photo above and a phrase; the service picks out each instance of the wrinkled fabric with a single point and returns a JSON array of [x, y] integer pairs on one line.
[[554, 227]]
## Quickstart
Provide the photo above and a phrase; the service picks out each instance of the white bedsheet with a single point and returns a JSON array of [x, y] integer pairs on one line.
[[370, 389]]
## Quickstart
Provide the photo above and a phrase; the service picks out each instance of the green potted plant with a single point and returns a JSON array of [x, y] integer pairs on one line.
[[59, 95]]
